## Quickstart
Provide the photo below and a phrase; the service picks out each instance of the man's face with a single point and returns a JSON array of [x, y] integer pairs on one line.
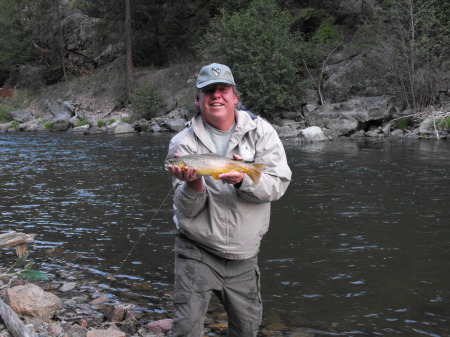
[[217, 103]]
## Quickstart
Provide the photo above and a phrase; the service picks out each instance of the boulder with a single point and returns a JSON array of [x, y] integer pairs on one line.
[[313, 134], [397, 133], [5, 127], [286, 131], [31, 301], [161, 326], [288, 128], [61, 122], [21, 116], [350, 116], [68, 286], [114, 313], [76, 330], [59, 108], [427, 127], [122, 128], [79, 41], [80, 129], [175, 125], [156, 128]]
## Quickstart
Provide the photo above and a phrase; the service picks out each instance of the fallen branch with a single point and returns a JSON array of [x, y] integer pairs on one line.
[[15, 326], [14, 239], [19, 240], [434, 125]]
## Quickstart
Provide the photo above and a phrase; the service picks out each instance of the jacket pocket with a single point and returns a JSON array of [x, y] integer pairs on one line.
[[185, 248]]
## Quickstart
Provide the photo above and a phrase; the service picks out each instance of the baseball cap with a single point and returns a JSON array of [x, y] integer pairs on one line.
[[214, 73]]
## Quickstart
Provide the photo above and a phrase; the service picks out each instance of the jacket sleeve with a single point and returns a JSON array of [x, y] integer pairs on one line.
[[185, 199], [276, 175]]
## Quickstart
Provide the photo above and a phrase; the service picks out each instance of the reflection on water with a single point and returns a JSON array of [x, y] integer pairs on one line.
[[360, 244]]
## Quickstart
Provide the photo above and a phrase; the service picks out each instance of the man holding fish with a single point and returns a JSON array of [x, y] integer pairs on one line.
[[227, 167]]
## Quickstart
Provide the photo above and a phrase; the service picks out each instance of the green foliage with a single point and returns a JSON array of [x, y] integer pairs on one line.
[[15, 124], [81, 123], [22, 268], [309, 19], [5, 113], [258, 46], [48, 125], [28, 36], [101, 123], [126, 120], [81, 5], [146, 101], [443, 122], [403, 123], [326, 34]]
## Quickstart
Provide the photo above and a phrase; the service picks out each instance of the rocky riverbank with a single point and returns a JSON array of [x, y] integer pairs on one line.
[[64, 308], [358, 117], [90, 104]]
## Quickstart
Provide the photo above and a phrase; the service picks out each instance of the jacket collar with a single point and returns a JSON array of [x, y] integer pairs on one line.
[[244, 124]]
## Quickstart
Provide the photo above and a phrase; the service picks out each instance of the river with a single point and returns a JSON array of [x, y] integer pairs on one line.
[[358, 246]]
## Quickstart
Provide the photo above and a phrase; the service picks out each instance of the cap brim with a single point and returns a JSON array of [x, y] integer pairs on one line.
[[205, 84]]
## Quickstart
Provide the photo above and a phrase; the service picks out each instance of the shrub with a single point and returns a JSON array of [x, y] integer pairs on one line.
[[5, 113], [257, 44], [444, 122], [101, 123], [146, 102], [403, 123]]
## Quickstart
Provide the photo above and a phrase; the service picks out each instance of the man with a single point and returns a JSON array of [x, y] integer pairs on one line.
[[221, 223]]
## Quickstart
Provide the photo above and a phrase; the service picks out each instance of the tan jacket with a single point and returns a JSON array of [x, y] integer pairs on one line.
[[228, 221]]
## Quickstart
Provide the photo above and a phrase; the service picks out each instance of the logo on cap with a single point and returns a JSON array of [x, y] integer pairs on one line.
[[216, 71]]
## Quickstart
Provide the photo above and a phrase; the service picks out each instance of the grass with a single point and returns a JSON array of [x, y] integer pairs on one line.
[[5, 113], [403, 123], [126, 120], [81, 123], [101, 123], [444, 122]]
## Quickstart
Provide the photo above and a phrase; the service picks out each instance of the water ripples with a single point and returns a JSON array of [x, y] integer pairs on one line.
[[359, 245]]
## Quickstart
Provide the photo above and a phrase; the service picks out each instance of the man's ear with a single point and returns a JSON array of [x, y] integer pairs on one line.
[[197, 103]]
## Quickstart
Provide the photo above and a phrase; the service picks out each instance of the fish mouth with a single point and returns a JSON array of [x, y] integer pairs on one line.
[[166, 164]]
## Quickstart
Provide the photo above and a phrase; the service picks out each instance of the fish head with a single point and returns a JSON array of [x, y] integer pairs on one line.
[[174, 162]]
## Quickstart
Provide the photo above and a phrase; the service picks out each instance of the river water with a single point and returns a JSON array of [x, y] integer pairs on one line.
[[358, 246]]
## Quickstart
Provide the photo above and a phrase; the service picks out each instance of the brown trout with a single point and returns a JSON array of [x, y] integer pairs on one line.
[[212, 164]]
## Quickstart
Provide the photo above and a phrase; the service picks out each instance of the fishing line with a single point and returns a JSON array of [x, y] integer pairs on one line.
[[139, 238], [134, 246]]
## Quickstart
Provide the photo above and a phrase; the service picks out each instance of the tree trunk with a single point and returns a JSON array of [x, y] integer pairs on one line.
[[129, 66], [15, 326], [61, 42]]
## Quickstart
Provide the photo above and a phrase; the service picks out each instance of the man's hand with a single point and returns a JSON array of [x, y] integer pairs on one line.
[[187, 174], [233, 177]]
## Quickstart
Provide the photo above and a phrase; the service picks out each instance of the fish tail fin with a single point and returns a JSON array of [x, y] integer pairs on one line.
[[255, 171]]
